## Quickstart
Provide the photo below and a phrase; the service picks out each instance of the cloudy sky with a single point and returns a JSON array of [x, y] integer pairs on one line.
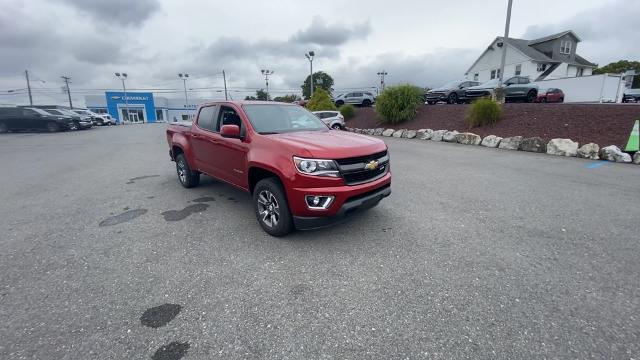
[[423, 42]]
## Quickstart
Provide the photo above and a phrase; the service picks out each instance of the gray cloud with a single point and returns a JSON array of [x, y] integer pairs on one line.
[[122, 12], [321, 33]]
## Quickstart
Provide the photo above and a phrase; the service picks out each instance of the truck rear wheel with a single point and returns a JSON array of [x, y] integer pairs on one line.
[[272, 209], [188, 178]]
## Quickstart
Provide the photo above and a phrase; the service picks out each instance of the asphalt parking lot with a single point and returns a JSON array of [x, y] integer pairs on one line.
[[478, 253]]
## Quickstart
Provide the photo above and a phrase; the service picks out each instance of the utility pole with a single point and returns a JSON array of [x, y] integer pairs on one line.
[[310, 56], [266, 74], [382, 74], [224, 78], [500, 95], [67, 89], [26, 75]]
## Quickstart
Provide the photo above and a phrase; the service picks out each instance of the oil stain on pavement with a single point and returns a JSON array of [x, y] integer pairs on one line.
[[177, 215], [124, 217], [159, 316], [133, 180], [204, 199], [173, 351]]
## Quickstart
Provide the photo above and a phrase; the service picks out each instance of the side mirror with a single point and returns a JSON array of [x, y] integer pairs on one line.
[[230, 131]]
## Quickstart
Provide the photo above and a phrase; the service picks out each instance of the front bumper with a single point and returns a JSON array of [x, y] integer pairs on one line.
[[437, 97], [348, 200]]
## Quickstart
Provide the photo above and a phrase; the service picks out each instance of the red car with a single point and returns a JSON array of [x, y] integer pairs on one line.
[[550, 95], [301, 173]]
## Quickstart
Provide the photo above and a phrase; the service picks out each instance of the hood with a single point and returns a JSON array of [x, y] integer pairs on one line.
[[441, 89], [329, 144]]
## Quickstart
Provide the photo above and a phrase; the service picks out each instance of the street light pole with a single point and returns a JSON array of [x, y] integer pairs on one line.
[[184, 78], [224, 78], [123, 77], [382, 74], [310, 56], [266, 74], [500, 96]]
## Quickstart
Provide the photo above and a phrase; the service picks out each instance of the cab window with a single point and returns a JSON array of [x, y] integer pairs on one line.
[[205, 118]]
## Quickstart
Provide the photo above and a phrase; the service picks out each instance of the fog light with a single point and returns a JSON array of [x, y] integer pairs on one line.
[[318, 202]]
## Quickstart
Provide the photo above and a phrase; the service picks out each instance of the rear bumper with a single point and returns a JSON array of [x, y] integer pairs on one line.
[[351, 206]]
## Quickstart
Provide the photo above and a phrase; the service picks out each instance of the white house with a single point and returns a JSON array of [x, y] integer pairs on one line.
[[550, 57]]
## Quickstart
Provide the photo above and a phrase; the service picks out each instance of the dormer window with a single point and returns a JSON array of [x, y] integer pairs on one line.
[[565, 47]]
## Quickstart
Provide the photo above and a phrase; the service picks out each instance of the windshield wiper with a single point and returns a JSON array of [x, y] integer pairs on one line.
[[268, 132]]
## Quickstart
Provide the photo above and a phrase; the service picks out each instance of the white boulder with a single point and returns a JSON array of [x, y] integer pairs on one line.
[[450, 136], [468, 138], [437, 135], [398, 133], [562, 147], [589, 151], [388, 132], [511, 143], [410, 134], [613, 153], [491, 141]]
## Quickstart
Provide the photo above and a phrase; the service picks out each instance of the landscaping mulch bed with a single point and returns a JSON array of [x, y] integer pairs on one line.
[[603, 124]]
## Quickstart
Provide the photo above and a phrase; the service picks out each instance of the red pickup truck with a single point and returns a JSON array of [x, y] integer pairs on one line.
[[301, 174]]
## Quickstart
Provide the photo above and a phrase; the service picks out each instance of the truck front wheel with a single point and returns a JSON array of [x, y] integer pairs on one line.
[[272, 209], [188, 178]]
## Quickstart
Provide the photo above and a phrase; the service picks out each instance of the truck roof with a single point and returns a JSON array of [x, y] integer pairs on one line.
[[242, 102]]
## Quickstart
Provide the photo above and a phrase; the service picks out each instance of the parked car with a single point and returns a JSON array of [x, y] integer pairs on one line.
[[301, 174], [96, 119], [515, 88], [631, 96], [550, 95], [82, 121], [15, 118], [333, 119], [362, 98], [452, 92]]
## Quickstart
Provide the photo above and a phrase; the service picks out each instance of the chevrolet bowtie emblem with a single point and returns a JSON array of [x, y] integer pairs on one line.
[[371, 165]]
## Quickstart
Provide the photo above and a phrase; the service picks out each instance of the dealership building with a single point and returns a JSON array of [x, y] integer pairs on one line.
[[142, 107]]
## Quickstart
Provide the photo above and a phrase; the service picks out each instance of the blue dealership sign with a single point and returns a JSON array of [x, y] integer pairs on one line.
[[135, 100]]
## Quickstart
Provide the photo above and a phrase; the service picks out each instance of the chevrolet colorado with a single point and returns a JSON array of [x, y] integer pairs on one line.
[[301, 174]]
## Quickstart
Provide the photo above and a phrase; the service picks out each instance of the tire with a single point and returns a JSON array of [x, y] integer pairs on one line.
[[3, 128], [336, 127], [453, 98], [544, 99], [53, 127], [188, 178], [73, 126], [366, 102], [339, 103], [561, 100], [272, 208], [431, 102], [531, 96]]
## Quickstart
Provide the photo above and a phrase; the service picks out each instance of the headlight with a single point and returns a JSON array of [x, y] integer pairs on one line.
[[316, 167]]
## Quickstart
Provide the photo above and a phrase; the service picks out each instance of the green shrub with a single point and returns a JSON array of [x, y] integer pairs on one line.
[[483, 112], [348, 111], [399, 103], [320, 101]]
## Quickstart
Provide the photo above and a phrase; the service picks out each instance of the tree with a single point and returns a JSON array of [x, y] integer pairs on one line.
[[620, 67], [260, 95], [320, 101], [321, 80], [289, 98]]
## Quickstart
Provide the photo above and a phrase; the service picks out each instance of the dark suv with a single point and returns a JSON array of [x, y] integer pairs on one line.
[[516, 87], [452, 92], [14, 118]]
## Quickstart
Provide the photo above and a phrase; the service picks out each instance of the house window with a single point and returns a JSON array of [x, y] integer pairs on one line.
[[493, 74], [185, 117], [475, 77], [565, 47], [542, 67], [580, 72], [518, 70]]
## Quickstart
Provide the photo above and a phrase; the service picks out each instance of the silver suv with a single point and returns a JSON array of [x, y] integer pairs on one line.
[[363, 98]]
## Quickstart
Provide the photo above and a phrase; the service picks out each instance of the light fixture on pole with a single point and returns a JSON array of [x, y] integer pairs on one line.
[[382, 74], [310, 56], [123, 77], [184, 78], [266, 74]]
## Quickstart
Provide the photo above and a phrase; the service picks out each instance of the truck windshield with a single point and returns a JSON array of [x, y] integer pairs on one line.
[[280, 118]]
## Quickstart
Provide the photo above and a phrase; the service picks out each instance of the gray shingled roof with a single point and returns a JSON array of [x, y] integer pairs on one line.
[[584, 62], [533, 53], [552, 37]]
